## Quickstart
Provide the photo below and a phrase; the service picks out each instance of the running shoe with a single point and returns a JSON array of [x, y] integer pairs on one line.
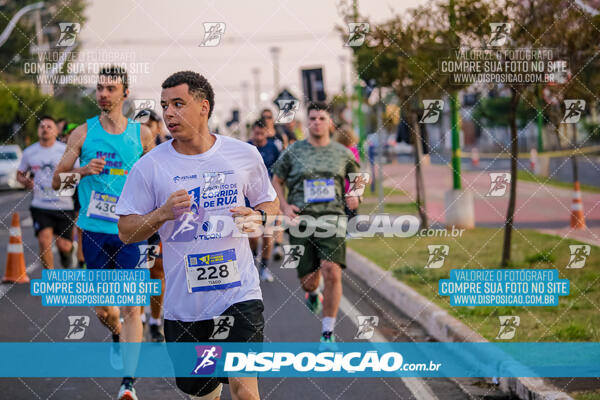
[[127, 391], [314, 303], [328, 342], [327, 337], [278, 252], [155, 334], [266, 275]]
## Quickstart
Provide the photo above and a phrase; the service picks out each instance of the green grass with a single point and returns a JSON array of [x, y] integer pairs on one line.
[[595, 395], [387, 191], [389, 208], [576, 318], [524, 175]]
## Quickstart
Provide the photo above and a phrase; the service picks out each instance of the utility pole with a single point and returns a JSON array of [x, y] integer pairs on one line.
[[358, 115], [380, 155], [256, 73], [45, 86], [342, 59], [454, 115], [275, 54]]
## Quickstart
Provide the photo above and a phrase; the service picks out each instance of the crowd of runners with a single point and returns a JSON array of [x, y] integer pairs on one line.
[[141, 191]]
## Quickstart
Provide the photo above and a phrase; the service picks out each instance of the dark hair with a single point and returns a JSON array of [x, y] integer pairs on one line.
[[259, 123], [115, 71], [265, 109], [153, 116], [317, 106], [198, 86], [48, 117]]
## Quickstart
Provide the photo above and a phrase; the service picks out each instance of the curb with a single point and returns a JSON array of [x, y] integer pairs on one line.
[[439, 324]]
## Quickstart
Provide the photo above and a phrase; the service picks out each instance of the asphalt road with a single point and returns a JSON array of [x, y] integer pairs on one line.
[[24, 319]]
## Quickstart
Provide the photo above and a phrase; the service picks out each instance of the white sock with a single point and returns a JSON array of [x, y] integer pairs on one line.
[[315, 292], [328, 324], [143, 317], [155, 321]]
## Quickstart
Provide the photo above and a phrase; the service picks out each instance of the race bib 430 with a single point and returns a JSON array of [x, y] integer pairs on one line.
[[102, 206]]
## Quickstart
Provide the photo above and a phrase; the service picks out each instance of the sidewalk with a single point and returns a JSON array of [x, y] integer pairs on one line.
[[541, 207]]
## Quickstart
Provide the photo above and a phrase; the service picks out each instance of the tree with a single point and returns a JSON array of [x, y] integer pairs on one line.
[[16, 51], [570, 36], [403, 53], [520, 37]]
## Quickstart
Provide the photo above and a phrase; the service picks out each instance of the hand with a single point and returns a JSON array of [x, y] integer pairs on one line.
[[28, 183], [246, 219], [352, 202], [290, 210], [178, 203], [95, 166]]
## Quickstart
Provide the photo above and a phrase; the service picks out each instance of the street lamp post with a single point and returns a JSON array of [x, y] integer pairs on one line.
[[15, 19], [459, 206], [256, 73], [275, 54]]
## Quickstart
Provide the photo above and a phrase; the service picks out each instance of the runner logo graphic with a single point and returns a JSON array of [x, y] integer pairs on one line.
[[287, 111], [437, 255], [213, 182], [500, 31], [142, 110], [432, 109], [213, 31], [207, 359], [366, 326], [77, 325], [68, 33], [358, 182], [184, 228], [499, 182], [292, 255], [573, 111], [223, 324], [579, 254], [508, 327], [68, 183], [358, 33], [148, 254]]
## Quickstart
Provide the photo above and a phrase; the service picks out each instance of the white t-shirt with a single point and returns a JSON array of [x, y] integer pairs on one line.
[[42, 161], [196, 247]]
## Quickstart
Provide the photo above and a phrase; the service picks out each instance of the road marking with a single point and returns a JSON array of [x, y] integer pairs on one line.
[[417, 386]]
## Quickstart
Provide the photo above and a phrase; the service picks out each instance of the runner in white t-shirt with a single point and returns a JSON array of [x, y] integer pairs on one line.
[[52, 213], [188, 189]]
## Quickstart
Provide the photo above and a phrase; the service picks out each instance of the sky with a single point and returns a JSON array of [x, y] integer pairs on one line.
[[156, 38]]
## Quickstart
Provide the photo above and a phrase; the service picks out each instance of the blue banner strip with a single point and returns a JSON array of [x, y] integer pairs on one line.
[[66, 359]]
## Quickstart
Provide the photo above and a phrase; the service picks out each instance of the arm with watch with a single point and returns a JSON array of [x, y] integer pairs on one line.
[[250, 220]]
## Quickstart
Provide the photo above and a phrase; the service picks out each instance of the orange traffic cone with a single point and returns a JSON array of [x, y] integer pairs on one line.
[[577, 217], [15, 260]]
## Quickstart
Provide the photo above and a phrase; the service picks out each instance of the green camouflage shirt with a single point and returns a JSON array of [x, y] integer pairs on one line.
[[302, 162]]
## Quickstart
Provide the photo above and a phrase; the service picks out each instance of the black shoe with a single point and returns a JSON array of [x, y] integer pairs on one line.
[[155, 334]]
